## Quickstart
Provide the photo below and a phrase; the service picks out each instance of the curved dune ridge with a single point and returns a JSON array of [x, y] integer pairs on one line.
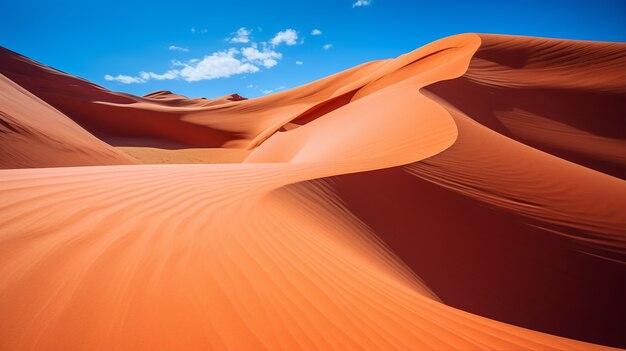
[[468, 195]]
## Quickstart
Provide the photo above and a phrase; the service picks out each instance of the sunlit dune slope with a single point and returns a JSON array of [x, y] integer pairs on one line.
[[212, 257], [33, 134], [375, 210]]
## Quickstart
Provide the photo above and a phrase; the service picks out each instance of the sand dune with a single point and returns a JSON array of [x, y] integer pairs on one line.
[[429, 202], [562, 97], [33, 134]]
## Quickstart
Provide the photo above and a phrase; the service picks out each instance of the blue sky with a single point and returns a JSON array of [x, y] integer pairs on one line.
[[93, 39]]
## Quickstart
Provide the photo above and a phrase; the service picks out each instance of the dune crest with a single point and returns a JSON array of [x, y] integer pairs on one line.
[[396, 205]]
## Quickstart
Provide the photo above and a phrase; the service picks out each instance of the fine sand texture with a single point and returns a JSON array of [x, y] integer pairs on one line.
[[468, 195]]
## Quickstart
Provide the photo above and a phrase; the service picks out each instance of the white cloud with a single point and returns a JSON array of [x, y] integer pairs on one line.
[[241, 36], [266, 57], [177, 48], [142, 77], [221, 64], [288, 36], [171, 74], [316, 32], [327, 46], [360, 3], [267, 91], [124, 79], [270, 63], [299, 62]]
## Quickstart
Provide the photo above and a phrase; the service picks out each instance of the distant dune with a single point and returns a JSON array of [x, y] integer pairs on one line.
[[468, 195]]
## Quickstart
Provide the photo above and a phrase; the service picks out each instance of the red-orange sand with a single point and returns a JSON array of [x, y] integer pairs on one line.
[[468, 195]]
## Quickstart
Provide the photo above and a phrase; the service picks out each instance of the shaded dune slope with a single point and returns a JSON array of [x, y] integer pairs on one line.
[[559, 96], [559, 246], [377, 210]]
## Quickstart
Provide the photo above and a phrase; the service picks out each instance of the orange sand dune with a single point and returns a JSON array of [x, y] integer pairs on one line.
[[229, 121], [378, 209], [108, 114], [209, 257], [34, 134], [562, 97]]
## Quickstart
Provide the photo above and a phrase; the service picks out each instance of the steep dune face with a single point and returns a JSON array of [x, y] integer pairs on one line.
[[376, 210], [556, 230], [565, 98], [33, 134], [514, 204], [559, 96], [385, 103]]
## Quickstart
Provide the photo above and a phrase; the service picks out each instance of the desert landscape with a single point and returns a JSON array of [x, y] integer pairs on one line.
[[467, 195]]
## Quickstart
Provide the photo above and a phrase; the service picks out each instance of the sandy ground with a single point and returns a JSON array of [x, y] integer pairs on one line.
[[151, 155]]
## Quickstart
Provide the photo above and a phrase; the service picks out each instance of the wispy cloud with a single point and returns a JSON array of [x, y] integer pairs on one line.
[[177, 48], [327, 46], [288, 36], [220, 64], [360, 3], [316, 32], [171, 74], [299, 62], [241, 36], [124, 79], [266, 90], [142, 77], [269, 91], [198, 31]]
